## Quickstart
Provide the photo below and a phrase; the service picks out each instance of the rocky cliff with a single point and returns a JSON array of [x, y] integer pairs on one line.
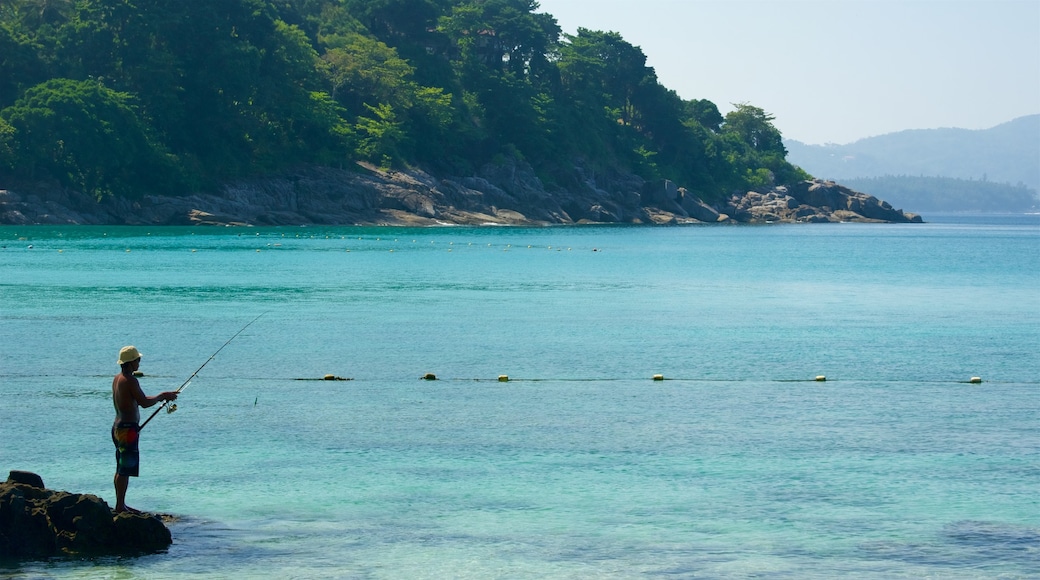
[[507, 193]]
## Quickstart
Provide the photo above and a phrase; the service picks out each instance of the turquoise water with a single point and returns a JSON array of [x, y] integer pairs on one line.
[[738, 464]]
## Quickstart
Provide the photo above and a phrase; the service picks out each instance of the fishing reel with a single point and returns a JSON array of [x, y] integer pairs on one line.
[[171, 408]]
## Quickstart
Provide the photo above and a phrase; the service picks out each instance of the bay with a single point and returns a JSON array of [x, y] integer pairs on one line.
[[738, 464]]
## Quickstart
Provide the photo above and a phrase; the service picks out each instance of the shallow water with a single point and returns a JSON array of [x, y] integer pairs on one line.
[[737, 464]]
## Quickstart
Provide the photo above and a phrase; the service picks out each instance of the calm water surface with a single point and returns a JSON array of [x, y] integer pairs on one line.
[[738, 464]]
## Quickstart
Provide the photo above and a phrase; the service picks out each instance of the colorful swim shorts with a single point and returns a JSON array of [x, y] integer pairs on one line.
[[125, 436]]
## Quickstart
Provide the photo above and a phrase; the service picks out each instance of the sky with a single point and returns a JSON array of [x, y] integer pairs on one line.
[[836, 71]]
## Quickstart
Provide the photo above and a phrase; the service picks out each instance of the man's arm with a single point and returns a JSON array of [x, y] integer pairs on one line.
[[146, 401]]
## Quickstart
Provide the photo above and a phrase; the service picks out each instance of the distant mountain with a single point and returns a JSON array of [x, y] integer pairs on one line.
[[924, 195], [1006, 154]]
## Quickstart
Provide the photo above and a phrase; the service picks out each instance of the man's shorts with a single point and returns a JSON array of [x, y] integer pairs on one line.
[[125, 436]]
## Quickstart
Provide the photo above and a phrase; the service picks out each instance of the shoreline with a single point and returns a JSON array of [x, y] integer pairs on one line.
[[508, 194]]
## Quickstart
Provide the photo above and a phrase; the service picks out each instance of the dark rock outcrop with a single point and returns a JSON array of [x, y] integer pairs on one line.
[[36, 522], [505, 193]]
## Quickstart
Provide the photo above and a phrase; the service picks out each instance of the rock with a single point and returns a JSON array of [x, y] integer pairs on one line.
[[39, 523], [663, 195], [836, 198], [696, 208], [145, 533], [814, 202], [26, 477], [507, 192]]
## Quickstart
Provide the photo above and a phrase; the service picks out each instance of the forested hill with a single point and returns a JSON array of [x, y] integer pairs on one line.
[[123, 98]]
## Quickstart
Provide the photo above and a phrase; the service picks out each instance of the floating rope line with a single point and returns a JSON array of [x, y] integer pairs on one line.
[[509, 379]]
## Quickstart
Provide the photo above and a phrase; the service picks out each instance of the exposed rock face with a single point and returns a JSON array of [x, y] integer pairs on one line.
[[39, 523], [506, 193], [814, 201]]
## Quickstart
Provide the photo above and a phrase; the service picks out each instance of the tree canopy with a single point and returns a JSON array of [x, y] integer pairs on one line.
[[126, 97]]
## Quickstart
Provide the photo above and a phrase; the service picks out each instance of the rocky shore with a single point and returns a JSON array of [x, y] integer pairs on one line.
[[36, 522], [507, 193]]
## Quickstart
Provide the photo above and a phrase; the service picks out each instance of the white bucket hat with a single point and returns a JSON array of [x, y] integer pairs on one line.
[[128, 354]]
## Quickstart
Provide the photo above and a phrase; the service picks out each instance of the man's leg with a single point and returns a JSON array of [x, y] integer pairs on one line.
[[121, 482]]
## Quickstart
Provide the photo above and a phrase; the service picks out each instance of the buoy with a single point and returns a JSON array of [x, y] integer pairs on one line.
[[429, 377], [976, 380], [658, 377], [503, 378], [820, 378], [330, 377]]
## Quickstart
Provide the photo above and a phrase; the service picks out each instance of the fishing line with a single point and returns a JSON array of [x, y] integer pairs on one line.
[[188, 381]]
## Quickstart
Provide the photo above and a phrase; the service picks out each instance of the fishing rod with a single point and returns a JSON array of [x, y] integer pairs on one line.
[[188, 381]]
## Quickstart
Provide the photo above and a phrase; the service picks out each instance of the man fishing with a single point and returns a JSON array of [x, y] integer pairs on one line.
[[128, 397]]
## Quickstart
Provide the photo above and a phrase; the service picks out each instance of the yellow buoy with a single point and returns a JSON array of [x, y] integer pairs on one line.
[[330, 377], [658, 377], [503, 378], [976, 380], [820, 378]]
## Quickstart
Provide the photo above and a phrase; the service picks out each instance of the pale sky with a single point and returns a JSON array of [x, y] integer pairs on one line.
[[835, 71]]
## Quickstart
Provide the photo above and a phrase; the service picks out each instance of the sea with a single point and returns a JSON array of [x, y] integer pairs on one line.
[[725, 401]]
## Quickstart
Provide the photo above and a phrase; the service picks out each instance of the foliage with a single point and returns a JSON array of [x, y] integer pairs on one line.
[[86, 135], [7, 140], [125, 97]]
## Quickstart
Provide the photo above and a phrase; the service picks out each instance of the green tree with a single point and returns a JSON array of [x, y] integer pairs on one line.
[[755, 128], [380, 136], [88, 136], [8, 144], [602, 65], [704, 113], [365, 70], [756, 148], [499, 51], [20, 67]]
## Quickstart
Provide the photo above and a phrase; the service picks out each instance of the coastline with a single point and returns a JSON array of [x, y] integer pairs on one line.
[[506, 194]]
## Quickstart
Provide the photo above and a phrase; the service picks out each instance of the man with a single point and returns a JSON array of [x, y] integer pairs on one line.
[[128, 397]]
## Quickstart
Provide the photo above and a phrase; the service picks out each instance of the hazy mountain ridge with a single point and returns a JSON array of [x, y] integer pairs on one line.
[[996, 169], [1007, 153]]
